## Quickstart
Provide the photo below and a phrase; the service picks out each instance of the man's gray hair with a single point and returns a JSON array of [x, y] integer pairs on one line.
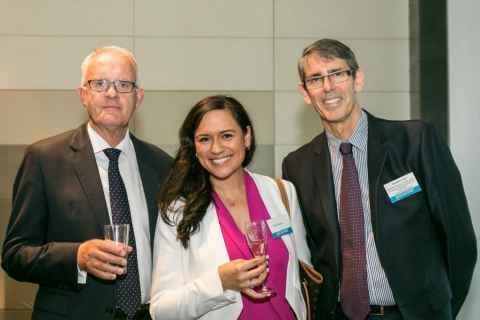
[[97, 51], [328, 48]]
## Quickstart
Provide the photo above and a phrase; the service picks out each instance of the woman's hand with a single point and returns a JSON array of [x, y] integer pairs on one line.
[[243, 275]]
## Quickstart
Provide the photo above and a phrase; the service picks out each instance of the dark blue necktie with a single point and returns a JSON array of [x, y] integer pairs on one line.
[[127, 288], [354, 285]]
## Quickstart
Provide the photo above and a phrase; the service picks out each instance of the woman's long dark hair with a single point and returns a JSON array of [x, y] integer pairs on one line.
[[188, 180]]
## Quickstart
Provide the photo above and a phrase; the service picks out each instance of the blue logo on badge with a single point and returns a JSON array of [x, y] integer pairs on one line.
[[282, 232], [405, 194]]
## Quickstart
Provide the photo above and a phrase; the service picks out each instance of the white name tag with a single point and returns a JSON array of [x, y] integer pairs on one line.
[[279, 226], [402, 187]]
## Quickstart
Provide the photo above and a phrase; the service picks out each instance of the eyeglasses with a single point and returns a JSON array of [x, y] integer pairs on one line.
[[336, 77], [121, 86]]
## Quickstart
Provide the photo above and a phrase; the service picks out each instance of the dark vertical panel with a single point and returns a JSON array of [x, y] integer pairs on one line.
[[429, 68], [414, 46]]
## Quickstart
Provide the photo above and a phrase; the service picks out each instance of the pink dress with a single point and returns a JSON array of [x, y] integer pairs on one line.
[[275, 307]]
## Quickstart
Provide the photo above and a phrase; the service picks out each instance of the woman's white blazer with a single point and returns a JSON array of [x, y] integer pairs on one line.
[[186, 284]]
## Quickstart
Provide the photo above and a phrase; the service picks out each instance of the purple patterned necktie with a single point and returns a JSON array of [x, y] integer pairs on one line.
[[354, 286], [127, 288]]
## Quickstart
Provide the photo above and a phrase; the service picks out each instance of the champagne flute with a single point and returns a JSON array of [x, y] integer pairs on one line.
[[256, 233]]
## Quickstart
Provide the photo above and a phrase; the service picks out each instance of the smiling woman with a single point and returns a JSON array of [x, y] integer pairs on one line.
[[212, 126], [202, 263], [220, 144]]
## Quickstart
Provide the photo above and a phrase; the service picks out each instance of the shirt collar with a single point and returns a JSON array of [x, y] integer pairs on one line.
[[359, 137], [99, 144]]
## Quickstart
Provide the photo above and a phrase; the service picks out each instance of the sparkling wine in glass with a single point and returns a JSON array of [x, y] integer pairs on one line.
[[256, 233]]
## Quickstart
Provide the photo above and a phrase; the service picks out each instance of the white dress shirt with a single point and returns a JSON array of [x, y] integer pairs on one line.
[[128, 166]]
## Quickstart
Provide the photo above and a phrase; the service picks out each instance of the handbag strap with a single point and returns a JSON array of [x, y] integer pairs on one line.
[[313, 274], [283, 194]]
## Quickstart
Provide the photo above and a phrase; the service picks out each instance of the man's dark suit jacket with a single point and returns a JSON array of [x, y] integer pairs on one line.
[[58, 203], [425, 242]]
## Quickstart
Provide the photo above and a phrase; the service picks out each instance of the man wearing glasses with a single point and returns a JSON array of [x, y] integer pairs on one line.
[[384, 207], [70, 186]]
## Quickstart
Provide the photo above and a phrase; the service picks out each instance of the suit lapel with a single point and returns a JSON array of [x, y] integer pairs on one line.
[[150, 184], [323, 183], [377, 152], [86, 169]]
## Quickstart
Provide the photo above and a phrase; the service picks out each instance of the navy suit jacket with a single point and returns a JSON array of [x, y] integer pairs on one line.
[[58, 203], [426, 243]]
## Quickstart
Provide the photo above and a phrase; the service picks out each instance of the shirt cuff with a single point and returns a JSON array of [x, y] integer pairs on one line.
[[81, 276]]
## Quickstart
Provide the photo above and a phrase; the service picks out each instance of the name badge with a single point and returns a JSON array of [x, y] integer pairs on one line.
[[402, 187], [279, 226]]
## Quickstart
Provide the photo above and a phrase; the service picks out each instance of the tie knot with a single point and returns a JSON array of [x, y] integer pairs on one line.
[[112, 154], [345, 148]]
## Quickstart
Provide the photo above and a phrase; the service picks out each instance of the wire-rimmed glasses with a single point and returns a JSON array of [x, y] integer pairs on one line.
[[335, 77], [102, 85]]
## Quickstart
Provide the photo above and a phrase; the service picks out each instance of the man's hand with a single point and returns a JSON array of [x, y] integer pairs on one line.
[[103, 258]]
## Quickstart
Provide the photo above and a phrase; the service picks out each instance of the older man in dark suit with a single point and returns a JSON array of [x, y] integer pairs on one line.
[[71, 185], [386, 215]]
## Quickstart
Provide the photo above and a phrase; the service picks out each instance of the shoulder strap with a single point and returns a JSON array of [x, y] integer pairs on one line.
[[306, 271], [283, 194]]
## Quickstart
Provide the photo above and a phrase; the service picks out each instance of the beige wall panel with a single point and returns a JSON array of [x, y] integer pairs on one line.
[[47, 62], [205, 64], [295, 122], [28, 116], [18, 295], [171, 149], [162, 113], [263, 161], [385, 63], [191, 18], [67, 17], [10, 158], [15, 315], [387, 105], [342, 19], [281, 152]]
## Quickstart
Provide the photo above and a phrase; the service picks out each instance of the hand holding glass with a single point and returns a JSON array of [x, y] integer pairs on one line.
[[256, 233], [117, 233]]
